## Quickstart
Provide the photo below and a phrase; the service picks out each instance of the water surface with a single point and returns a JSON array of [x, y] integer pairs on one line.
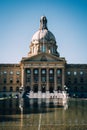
[[43, 115]]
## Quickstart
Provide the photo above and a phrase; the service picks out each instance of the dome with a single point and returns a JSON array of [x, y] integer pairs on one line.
[[43, 36], [43, 41]]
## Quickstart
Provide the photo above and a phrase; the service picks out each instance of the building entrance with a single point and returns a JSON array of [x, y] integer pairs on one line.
[[43, 88], [35, 88], [51, 88]]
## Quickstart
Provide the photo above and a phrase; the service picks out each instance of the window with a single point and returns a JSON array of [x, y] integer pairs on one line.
[[51, 79], [41, 48], [81, 72], [28, 71], [11, 72], [43, 71], [43, 79], [17, 80], [81, 80], [1, 73], [58, 80], [4, 80], [17, 89], [75, 80], [44, 48], [75, 73], [11, 80], [4, 88], [35, 79], [28, 79], [35, 71], [11, 89], [69, 80], [17, 72], [68, 73], [58, 71], [5, 72], [75, 89], [51, 71]]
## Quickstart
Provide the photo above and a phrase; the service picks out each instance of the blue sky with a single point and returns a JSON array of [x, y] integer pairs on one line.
[[67, 20]]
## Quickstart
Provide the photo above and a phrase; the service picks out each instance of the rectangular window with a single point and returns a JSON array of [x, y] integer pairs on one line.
[[43, 79], [36, 79], [11, 80], [58, 71], [58, 80], [17, 81], [81, 72], [75, 73], [5, 81], [51, 79], [17, 72], [28, 79], [11, 72], [11, 89], [68, 73], [5, 72]]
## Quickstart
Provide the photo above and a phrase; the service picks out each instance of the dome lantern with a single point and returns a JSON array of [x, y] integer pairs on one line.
[[43, 23]]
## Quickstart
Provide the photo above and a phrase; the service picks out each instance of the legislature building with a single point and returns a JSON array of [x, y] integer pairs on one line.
[[43, 69]]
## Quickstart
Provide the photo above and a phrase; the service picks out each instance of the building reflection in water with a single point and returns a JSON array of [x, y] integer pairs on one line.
[[28, 112]]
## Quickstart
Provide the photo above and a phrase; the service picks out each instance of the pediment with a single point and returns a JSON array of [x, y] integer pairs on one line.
[[43, 57]]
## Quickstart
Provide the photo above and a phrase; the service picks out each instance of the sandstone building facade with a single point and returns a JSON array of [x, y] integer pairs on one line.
[[43, 69]]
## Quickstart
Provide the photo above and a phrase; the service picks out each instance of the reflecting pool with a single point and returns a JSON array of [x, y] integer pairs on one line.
[[43, 114]]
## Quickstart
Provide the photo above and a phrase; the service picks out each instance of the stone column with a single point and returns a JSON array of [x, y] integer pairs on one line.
[[55, 79], [39, 84], [47, 88], [31, 78], [63, 82]]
